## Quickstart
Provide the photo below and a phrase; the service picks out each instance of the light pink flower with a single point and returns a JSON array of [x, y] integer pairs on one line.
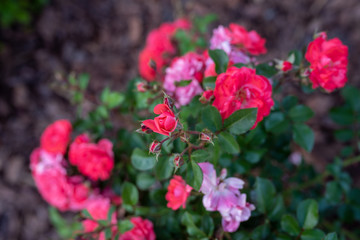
[[191, 66], [223, 195]]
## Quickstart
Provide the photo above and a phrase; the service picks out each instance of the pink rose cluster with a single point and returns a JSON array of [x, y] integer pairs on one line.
[[74, 193], [223, 194]]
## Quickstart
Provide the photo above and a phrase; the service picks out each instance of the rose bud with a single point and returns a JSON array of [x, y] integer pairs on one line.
[[178, 161], [169, 101], [207, 96], [155, 147], [145, 129], [141, 87], [206, 138], [163, 124], [286, 66]]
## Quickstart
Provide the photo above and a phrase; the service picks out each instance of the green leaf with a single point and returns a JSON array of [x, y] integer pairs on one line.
[[241, 120], [304, 136], [64, 229], [141, 160], [110, 213], [290, 225], [164, 168], [207, 225], [203, 155], [344, 134], [264, 191], [201, 23], [85, 213], [300, 113], [297, 57], [130, 194], [352, 95], [254, 156], [220, 59], [228, 143], [312, 234], [333, 193], [289, 101], [277, 209], [144, 181], [111, 99], [342, 115], [125, 225], [84, 80], [266, 70], [261, 232], [194, 175], [183, 83], [209, 82], [331, 236], [211, 118], [276, 123], [239, 65], [184, 41], [308, 213], [191, 228]]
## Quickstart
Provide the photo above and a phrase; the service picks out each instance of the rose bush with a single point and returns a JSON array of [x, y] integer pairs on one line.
[[222, 155]]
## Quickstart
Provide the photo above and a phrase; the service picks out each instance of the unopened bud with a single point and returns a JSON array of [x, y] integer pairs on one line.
[[155, 147], [145, 129], [206, 137], [178, 161], [141, 87], [168, 101], [207, 96]]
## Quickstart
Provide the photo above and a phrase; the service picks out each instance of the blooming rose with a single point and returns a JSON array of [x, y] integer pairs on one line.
[[159, 49], [250, 41], [56, 137], [98, 209], [142, 230], [93, 160], [328, 62], [59, 190], [163, 124], [240, 88], [223, 195], [191, 67], [178, 192]]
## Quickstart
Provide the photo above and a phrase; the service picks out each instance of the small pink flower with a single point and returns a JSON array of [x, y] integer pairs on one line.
[[178, 192], [165, 123], [223, 195], [190, 67], [142, 230]]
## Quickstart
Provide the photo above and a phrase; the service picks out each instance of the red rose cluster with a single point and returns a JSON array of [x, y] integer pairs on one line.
[[328, 62], [48, 167], [159, 49]]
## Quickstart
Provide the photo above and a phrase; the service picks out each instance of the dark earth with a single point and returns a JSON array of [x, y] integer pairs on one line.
[[103, 38]]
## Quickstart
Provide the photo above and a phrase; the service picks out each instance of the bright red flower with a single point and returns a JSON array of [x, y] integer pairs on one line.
[[163, 124], [286, 66], [328, 62], [93, 160], [159, 49], [250, 41], [142, 230], [56, 137], [178, 192], [240, 88], [59, 190]]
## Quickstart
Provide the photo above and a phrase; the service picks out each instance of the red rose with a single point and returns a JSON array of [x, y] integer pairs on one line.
[[286, 66], [250, 41], [328, 62], [159, 49], [142, 230], [240, 88], [163, 124], [177, 194], [56, 137], [93, 160]]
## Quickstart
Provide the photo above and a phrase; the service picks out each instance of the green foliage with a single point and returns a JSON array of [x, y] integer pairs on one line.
[[220, 59]]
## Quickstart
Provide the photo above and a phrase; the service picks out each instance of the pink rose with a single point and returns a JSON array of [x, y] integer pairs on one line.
[[56, 137], [178, 192], [93, 160], [142, 230]]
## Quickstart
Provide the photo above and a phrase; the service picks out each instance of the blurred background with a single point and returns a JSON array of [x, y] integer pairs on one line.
[[42, 40]]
